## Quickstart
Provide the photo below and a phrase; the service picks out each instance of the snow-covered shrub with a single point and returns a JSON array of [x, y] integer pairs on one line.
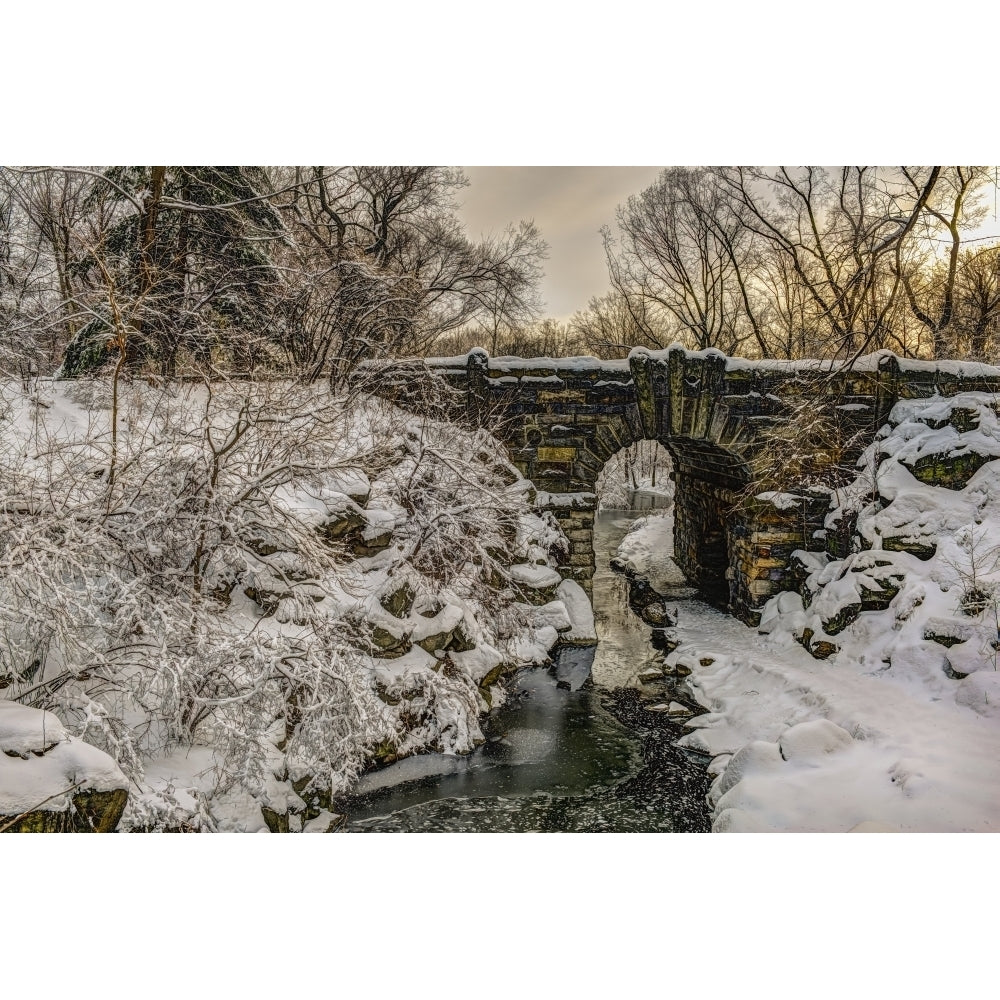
[[290, 583]]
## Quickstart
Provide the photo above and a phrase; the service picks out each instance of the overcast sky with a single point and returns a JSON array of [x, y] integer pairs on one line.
[[569, 205]]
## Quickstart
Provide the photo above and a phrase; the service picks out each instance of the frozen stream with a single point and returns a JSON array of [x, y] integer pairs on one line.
[[624, 648], [567, 752]]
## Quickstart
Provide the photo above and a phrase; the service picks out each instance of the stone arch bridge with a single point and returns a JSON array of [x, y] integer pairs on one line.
[[563, 418]]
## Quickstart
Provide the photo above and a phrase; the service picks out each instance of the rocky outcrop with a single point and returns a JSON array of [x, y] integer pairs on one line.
[[913, 539]]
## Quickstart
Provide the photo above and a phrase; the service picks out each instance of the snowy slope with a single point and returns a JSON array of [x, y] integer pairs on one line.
[[905, 755], [893, 722]]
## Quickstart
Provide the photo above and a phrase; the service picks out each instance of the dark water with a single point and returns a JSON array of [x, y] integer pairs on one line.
[[562, 755], [645, 500]]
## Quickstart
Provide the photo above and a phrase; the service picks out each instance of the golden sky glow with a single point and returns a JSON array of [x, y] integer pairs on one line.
[[569, 205]]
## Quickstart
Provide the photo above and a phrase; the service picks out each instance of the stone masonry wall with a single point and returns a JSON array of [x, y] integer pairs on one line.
[[562, 419], [579, 564], [763, 537]]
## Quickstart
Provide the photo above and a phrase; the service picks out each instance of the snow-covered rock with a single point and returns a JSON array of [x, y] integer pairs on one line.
[[811, 741], [50, 781], [981, 692], [580, 612], [913, 561], [535, 577]]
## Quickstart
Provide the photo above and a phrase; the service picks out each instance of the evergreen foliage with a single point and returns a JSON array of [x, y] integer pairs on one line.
[[189, 252]]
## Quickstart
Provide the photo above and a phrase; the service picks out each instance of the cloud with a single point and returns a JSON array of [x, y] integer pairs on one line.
[[569, 205]]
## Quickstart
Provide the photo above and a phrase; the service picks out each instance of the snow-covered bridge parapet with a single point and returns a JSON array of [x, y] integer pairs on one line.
[[563, 418]]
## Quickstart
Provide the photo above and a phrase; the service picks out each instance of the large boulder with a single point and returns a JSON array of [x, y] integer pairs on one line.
[[51, 782]]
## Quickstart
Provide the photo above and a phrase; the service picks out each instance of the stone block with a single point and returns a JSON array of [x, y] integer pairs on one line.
[[562, 396], [772, 538], [923, 548], [950, 471], [556, 454]]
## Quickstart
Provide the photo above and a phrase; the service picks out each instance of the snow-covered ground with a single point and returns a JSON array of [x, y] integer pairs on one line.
[[835, 745], [893, 721]]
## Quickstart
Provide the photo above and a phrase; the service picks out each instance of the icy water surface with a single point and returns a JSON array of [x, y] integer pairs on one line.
[[564, 754], [624, 649]]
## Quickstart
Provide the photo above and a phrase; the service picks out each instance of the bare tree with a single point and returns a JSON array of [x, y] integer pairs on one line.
[[930, 289], [977, 303], [546, 338], [513, 300], [838, 234], [52, 219], [685, 256], [44, 295], [614, 323], [382, 265]]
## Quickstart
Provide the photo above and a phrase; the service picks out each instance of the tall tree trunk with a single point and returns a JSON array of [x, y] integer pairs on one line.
[[139, 345]]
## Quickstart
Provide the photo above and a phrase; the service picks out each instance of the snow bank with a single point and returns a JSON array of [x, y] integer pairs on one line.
[[810, 746], [582, 629], [645, 552]]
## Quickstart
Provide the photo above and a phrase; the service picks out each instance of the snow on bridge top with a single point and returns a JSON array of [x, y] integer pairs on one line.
[[717, 406], [515, 362], [866, 363]]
